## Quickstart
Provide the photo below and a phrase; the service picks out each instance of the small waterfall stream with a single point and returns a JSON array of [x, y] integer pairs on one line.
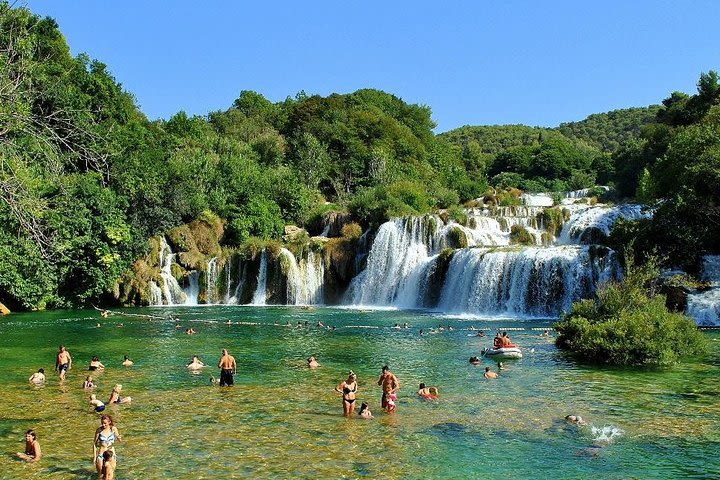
[[260, 295]]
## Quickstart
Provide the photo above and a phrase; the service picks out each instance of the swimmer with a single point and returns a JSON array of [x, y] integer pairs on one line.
[[288, 324], [190, 331], [115, 395], [474, 360], [348, 388], [98, 405], [365, 411], [489, 373], [501, 366], [312, 363], [229, 322], [545, 333], [88, 383], [104, 313], [299, 325], [107, 471], [319, 324], [97, 325], [396, 327], [95, 364], [480, 334], [63, 362], [332, 328], [450, 329], [421, 332], [38, 377], [406, 325], [32, 448], [177, 327], [195, 363], [120, 325], [427, 392], [127, 362], [574, 419]]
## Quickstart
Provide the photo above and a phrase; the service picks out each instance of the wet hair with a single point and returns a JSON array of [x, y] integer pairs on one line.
[[487, 369], [422, 385], [385, 368], [126, 358], [363, 407], [351, 374], [31, 432], [95, 358], [474, 359], [107, 455], [41, 370], [108, 417]]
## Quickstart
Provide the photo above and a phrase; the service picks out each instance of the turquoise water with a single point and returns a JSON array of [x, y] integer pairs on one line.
[[282, 420]]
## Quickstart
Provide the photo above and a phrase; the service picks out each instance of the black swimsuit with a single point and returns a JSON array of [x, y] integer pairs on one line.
[[346, 391]]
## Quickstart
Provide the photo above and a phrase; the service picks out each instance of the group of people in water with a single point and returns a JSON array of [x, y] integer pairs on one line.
[[107, 434]]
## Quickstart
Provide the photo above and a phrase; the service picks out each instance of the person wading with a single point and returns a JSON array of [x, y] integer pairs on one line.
[[227, 368]]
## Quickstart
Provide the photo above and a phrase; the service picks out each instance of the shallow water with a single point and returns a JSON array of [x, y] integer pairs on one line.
[[282, 420]]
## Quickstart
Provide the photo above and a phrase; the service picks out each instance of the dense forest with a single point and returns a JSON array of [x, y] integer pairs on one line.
[[86, 179]]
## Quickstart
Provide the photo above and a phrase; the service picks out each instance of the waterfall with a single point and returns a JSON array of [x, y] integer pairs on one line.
[[704, 307], [585, 221], [304, 280], [193, 289], [211, 281], [242, 274], [172, 293], [156, 294], [401, 247], [260, 295], [532, 281], [228, 277]]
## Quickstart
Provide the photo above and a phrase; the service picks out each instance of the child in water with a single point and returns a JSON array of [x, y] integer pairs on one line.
[[391, 402]]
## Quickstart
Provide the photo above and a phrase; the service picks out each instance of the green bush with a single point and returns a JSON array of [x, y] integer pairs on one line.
[[520, 236], [627, 324]]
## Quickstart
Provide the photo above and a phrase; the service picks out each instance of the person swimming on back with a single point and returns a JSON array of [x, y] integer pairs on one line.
[[115, 395]]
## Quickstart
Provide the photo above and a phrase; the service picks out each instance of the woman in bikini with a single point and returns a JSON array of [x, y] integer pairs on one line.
[[348, 389], [105, 438]]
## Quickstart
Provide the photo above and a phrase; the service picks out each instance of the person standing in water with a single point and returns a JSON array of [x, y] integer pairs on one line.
[[32, 448], [63, 362], [389, 383], [227, 368], [348, 389], [105, 437]]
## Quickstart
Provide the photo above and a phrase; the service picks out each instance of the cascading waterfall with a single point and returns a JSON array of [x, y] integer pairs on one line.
[[156, 294], [242, 274], [599, 218], [260, 295], [704, 307], [532, 281], [211, 281], [172, 294], [193, 290], [304, 280], [401, 247]]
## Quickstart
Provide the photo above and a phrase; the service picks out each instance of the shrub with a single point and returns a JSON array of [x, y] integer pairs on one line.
[[520, 236], [457, 214], [627, 324]]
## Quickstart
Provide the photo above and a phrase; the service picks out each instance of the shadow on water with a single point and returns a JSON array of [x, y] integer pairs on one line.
[[74, 473]]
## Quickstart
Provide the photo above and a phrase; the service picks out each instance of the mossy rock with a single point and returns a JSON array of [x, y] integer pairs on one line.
[[456, 238], [520, 236], [547, 239]]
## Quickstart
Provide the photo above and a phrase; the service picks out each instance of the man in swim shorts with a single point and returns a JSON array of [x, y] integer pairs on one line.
[[389, 383], [63, 362], [227, 368]]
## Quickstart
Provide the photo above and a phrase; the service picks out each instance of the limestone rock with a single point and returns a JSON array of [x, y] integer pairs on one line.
[[4, 310]]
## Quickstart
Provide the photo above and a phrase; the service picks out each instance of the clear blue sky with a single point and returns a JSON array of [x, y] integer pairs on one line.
[[474, 62]]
